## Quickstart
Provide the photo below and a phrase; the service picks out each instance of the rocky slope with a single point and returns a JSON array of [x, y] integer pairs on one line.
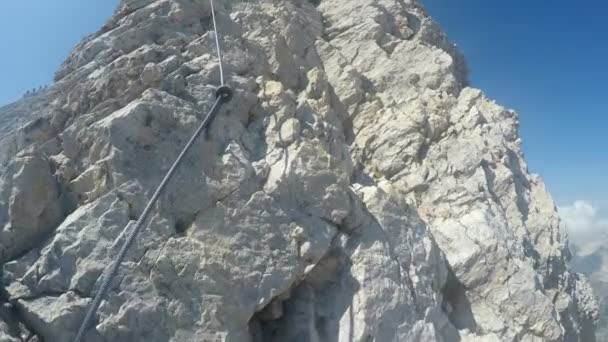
[[355, 189], [591, 258]]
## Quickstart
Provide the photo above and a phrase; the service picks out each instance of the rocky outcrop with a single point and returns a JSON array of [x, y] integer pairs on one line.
[[591, 258], [355, 189]]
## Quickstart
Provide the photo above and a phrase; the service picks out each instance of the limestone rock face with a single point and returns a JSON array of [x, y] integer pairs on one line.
[[355, 189]]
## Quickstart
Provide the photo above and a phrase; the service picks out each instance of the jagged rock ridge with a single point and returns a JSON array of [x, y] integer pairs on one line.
[[591, 258], [356, 189]]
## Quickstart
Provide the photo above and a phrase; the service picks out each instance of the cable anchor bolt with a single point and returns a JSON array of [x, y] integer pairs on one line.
[[224, 92]]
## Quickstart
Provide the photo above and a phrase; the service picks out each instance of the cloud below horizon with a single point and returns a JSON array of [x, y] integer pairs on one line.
[[584, 221]]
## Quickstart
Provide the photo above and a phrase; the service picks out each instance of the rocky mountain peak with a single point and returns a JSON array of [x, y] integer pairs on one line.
[[355, 189]]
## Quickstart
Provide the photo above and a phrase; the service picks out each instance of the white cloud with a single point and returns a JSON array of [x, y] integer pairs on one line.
[[583, 220]]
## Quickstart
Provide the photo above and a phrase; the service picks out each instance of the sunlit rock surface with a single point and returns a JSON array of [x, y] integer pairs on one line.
[[355, 189]]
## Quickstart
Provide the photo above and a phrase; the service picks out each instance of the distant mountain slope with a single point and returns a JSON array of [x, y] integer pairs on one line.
[[591, 258]]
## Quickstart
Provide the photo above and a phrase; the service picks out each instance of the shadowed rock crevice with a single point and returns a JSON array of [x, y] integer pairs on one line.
[[311, 310], [14, 327], [457, 305]]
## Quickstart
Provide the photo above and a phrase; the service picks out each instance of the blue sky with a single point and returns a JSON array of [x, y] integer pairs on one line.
[[37, 35], [547, 60]]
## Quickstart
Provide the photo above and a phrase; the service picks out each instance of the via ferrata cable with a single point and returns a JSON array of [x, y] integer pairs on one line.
[[223, 95]]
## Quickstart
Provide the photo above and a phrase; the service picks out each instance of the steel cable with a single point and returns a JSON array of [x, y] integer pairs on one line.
[[223, 95]]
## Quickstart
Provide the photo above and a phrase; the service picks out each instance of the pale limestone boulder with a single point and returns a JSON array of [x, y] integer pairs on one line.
[[30, 204], [54, 318]]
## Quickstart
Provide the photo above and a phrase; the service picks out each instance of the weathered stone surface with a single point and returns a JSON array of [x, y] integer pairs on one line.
[[30, 204], [356, 188]]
